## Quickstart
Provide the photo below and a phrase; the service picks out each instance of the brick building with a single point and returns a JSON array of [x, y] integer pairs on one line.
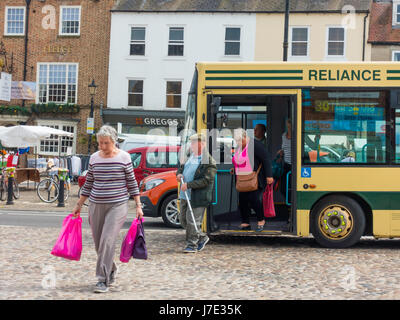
[[60, 46]]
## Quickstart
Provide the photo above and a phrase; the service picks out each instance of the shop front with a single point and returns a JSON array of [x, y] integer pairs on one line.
[[156, 122]]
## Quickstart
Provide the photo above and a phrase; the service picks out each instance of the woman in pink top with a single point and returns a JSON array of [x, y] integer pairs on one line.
[[246, 160], [241, 161]]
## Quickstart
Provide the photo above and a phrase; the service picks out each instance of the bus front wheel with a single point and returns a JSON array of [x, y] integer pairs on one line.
[[337, 222]]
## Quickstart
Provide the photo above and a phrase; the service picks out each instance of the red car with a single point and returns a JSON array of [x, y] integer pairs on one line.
[[147, 161]]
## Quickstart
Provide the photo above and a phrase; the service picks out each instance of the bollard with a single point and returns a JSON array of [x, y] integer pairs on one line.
[[62, 174], [10, 195]]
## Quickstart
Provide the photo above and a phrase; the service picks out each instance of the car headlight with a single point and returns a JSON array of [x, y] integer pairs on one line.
[[153, 183]]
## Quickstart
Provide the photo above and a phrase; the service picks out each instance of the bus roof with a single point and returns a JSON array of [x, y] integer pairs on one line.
[[299, 74]]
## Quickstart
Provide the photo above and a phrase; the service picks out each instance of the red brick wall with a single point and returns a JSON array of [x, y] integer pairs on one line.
[[90, 50]]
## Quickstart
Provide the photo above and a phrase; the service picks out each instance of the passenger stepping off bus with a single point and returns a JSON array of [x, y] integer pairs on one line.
[[253, 172]]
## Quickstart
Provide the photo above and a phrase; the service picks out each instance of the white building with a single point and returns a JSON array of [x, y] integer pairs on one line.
[[153, 56]]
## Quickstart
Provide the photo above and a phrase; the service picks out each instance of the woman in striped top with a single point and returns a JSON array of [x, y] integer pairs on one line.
[[110, 182], [286, 153]]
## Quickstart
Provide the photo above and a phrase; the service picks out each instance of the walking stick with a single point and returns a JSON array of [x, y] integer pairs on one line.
[[190, 208]]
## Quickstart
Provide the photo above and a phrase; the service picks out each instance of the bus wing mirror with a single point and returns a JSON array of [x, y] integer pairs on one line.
[[215, 104]]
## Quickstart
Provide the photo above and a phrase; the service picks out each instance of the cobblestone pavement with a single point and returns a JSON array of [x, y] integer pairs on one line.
[[228, 268]]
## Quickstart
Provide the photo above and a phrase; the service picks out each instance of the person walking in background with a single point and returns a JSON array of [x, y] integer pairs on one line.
[[245, 163], [110, 182], [198, 175]]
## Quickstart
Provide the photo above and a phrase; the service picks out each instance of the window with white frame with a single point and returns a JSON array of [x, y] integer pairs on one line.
[[396, 12], [14, 21], [336, 42], [396, 56], [176, 41], [232, 41], [51, 145], [299, 39], [70, 20], [135, 93], [68, 143], [174, 94], [58, 83], [138, 41]]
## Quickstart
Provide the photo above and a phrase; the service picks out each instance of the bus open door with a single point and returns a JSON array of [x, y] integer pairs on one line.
[[227, 112]]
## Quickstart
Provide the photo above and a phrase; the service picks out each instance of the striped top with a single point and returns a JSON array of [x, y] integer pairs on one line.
[[286, 147], [110, 180]]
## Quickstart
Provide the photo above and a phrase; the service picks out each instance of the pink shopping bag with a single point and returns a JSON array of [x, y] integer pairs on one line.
[[268, 202], [129, 241], [69, 242]]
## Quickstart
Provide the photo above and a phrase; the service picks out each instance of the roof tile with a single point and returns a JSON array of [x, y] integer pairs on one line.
[[238, 5], [380, 29]]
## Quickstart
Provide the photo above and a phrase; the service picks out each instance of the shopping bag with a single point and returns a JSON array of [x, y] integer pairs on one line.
[[127, 244], [139, 247], [69, 242], [268, 202]]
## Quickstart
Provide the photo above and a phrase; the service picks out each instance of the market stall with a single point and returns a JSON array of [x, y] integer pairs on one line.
[[24, 137]]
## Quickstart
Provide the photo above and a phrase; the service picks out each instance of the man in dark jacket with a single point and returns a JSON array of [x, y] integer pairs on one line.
[[198, 175]]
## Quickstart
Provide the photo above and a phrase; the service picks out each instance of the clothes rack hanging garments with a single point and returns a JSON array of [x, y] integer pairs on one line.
[[85, 162], [56, 162], [76, 164], [69, 166]]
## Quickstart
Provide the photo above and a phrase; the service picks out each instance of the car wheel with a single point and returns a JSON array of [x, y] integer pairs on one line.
[[337, 222], [169, 211]]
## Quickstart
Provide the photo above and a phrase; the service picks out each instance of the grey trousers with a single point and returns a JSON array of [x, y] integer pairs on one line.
[[106, 220], [192, 237]]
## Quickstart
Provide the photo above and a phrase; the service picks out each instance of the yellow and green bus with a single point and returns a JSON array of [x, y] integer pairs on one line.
[[344, 178]]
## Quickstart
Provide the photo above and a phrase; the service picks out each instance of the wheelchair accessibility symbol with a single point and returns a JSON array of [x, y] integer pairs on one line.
[[306, 172]]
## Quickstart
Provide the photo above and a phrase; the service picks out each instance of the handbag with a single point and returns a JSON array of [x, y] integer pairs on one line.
[[139, 246], [247, 182]]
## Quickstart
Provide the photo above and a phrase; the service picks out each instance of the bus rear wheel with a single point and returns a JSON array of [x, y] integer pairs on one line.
[[337, 222]]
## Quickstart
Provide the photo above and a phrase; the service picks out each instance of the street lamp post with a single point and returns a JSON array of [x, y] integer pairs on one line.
[[92, 91], [286, 30]]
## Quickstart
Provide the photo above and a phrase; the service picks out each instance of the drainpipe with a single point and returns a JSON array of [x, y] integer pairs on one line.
[[285, 35], [28, 3], [364, 35]]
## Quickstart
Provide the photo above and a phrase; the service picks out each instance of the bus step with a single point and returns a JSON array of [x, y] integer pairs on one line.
[[250, 232]]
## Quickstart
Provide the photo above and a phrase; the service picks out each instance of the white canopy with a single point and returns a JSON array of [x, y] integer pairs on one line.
[[27, 136]]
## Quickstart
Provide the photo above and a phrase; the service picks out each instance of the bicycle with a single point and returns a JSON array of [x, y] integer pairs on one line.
[[4, 186], [49, 188]]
